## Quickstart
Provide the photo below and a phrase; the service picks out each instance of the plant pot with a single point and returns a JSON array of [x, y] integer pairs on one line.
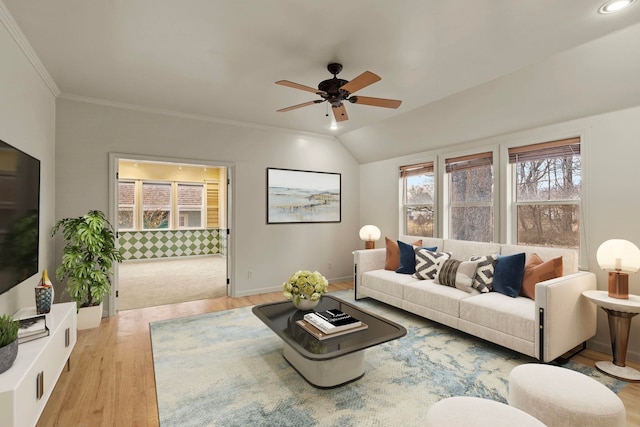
[[8, 355], [89, 317], [304, 304]]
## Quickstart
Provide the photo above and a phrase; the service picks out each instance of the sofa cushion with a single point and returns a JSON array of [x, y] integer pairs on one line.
[[457, 274], [483, 280], [512, 316], [386, 281], [392, 261], [508, 275], [427, 293], [427, 263], [536, 271]]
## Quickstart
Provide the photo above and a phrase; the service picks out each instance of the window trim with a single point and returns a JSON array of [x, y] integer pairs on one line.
[[467, 159], [535, 149], [203, 205], [415, 169]]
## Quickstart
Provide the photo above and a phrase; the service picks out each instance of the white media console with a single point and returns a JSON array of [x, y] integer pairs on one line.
[[27, 385]]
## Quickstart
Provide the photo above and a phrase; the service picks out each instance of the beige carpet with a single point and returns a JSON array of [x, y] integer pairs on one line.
[[158, 282]]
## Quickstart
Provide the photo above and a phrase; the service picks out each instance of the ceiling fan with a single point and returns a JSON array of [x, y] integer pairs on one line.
[[335, 91]]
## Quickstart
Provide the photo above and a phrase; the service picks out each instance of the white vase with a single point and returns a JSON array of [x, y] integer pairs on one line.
[[89, 317], [304, 304]]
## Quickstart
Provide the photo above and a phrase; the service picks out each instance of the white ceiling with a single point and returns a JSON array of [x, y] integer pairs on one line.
[[220, 58]]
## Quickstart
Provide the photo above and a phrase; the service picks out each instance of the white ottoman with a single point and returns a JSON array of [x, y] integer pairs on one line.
[[466, 411], [562, 397]]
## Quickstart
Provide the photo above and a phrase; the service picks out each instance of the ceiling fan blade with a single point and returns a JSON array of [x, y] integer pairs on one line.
[[340, 113], [304, 104], [298, 86], [376, 102], [363, 80]]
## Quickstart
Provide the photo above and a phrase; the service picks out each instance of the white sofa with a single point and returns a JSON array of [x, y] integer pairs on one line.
[[557, 321]]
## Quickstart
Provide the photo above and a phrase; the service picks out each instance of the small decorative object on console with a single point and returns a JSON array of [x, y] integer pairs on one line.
[[44, 294], [32, 327], [305, 285]]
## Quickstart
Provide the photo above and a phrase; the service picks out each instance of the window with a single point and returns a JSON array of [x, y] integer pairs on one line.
[[471, 197], [418, 196], [190, 205], [126, 203], [156, 205], [547, 180]]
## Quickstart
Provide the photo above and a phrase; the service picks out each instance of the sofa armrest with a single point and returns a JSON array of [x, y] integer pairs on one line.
[[564, 317], [366, 260]]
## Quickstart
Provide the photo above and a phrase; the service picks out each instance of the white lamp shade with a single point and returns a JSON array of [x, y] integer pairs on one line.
[[618, 255], [369, 233]]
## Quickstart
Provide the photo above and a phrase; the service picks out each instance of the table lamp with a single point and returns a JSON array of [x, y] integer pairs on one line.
[[618, 257], [369, 233]]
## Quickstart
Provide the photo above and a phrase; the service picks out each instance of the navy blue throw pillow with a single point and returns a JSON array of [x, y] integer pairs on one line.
[[408, 258], [508, 274]]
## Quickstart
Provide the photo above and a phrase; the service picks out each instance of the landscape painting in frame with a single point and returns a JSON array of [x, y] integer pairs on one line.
[[302, 196]]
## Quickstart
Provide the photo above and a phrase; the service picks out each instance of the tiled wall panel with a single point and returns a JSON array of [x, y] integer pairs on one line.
[[149, 244]]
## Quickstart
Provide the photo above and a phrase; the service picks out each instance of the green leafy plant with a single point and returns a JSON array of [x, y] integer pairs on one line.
[[8, 330], [88, 256]]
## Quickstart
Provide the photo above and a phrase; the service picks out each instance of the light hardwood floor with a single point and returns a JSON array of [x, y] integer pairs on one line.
[[111, 380]]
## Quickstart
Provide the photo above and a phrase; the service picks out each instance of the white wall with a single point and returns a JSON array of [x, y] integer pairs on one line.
[[87, 132], [611, 175], [27, 121]]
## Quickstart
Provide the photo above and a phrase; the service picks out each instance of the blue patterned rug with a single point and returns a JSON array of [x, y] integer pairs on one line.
[[226, 369]]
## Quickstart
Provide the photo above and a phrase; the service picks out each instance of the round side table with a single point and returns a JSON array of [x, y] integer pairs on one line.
[[619, 313]]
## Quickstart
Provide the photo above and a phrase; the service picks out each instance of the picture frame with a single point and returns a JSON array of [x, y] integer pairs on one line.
[[299, 196]]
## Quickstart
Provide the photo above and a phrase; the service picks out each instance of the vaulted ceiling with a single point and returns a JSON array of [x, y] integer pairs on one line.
[[220, 58]]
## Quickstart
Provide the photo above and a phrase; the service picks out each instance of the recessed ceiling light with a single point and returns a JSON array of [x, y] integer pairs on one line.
[[613, 6]]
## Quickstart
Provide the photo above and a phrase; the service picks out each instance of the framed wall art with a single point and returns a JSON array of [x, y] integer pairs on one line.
[[296, 196]]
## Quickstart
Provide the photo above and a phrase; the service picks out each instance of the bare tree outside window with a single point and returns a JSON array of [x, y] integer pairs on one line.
[[418, 188], [156, 205], [548, 185], [471, 197]]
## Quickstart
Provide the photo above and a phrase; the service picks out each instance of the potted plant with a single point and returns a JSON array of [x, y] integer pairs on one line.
[[87, 263], [8, 342]]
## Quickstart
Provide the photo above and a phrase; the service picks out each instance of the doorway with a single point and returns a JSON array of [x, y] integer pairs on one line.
[[171, 219]]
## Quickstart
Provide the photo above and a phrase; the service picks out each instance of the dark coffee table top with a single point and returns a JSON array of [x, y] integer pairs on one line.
[[281, 318]]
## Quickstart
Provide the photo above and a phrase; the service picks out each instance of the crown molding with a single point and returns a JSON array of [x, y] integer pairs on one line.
[[21, 41], [190, 116]]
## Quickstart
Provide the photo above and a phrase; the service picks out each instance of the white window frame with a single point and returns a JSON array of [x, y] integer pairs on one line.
[[513, 203], [171, 201], [445, 194], [403, 198], [133, 207], [202, 205]]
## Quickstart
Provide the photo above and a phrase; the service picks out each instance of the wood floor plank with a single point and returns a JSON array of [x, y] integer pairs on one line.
[[112, 383]]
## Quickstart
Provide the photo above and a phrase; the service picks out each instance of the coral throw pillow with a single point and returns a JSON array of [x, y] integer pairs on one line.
[[536, 271], [392, 262]]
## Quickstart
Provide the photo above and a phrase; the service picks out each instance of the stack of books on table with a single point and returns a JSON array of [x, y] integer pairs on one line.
[[330, 323], [32, 328]]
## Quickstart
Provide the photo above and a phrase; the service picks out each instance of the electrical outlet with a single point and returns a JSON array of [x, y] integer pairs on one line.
[[330, 266], [249, 274]]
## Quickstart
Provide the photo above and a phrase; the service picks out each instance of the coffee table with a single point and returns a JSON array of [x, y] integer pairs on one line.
[[331, 362]]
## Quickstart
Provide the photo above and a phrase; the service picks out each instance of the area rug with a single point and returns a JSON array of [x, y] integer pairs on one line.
[[226, 369]]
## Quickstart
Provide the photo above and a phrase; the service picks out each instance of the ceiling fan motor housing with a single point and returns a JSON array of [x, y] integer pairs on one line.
[[332, 92]]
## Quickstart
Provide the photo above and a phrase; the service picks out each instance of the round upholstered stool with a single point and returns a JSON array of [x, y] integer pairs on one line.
[[463, 411], [562, 397]]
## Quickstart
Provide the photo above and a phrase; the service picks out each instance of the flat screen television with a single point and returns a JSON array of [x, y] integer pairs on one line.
[[19, 216]]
